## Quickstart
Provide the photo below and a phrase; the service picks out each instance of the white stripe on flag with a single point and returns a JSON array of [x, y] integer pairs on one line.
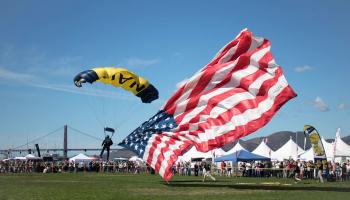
[[157, 151], [234, 82], [244, 118], [148, 146], [167, 154]]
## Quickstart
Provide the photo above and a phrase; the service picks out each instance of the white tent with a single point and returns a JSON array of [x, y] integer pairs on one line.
[[32, 157], [289, 150], [193, 153], [219, 152], [263, 150], [81, 158], [237, 147], [342, 149], [19, 158], [328, 148], [309, 155], [136, 159]]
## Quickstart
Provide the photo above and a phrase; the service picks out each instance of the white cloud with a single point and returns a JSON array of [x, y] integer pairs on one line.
[[63, 65], [84, 91], [320, 105], [35, 61], [138, 62], [33, 81], [14, 76], [342, 106], [303, 69]]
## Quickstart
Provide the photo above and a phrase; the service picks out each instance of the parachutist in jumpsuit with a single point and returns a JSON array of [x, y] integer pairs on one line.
[[107, 142]]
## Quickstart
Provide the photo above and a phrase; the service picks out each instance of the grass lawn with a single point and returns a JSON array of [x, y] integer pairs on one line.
[[87, 186]]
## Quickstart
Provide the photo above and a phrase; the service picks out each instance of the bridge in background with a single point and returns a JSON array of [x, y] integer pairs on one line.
[[64, 150]]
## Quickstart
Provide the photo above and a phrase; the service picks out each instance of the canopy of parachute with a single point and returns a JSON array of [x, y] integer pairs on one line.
[[119, 77]]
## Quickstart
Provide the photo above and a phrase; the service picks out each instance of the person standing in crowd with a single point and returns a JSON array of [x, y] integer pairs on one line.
[[343, 172], [338, 171], [319, 167], [196, 169], [188, 168], [229, 169], [207, 172], [223, 168], [178, 168], [297, 172], [348, 170]]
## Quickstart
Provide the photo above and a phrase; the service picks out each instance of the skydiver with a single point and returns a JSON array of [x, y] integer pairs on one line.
[[107, 142]]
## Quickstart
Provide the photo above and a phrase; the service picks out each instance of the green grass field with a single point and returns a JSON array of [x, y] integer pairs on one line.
[[87, 186]]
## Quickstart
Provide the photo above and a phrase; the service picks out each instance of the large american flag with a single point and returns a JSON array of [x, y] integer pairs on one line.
[[234, 95]]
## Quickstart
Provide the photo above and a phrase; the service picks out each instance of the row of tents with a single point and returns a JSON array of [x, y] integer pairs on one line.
[[27, 157], [78, 158], [336, 150]]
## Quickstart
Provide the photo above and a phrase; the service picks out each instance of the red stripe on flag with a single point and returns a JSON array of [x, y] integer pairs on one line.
[[252, 126], [243, 62], [180, 151], [155, 143], [241, 106], [213, 102], [244, 41], [169, 107], [171, 160]]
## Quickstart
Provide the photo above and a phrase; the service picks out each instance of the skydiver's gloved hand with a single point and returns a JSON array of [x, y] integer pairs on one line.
[[149, 94], [89, 76]]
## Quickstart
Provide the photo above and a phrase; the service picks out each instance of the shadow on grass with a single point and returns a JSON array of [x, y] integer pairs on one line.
[[252, 186]]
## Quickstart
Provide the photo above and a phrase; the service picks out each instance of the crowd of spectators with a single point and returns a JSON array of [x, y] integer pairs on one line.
[[330, 171], [40, 166]]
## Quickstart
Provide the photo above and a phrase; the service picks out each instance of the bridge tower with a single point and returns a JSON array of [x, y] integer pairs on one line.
[[65, 141]]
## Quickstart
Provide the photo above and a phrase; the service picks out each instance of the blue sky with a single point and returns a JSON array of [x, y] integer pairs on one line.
[[43, 44]]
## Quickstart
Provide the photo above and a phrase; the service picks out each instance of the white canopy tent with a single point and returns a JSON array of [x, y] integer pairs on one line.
[[342, 149], [328, 148], [263, 150], [19, 158], [289, 150], [237, 147], [219, 152], [308, 155], [136, 159], [81, 158], [32, 157], [193, 153]]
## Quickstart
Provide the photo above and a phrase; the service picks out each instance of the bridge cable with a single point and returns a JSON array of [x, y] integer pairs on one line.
[[39, 138], [86, 134]]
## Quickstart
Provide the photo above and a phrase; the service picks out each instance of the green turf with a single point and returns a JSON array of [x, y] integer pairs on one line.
[[87, 186]]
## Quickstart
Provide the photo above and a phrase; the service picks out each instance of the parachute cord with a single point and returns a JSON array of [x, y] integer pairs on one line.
[[126, 118], [85, 134], [92, 105]]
